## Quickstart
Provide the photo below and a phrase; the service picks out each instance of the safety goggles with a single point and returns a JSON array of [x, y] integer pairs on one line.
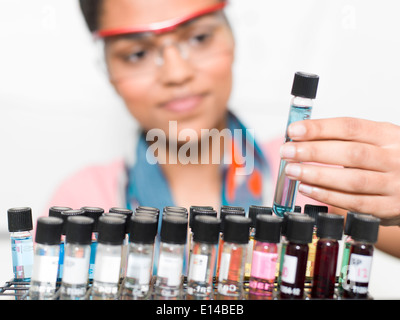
[[199, 38]]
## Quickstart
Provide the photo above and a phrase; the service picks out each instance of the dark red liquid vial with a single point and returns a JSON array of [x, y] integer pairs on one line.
[[325, 269]]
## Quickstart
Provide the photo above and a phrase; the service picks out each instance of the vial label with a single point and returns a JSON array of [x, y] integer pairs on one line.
[[224, 266], [22, 257], [289, 269], [139, 268], [198, 267], [107, 269], [264, 265], [359, 268], [170, 268], [75, 270], [45, 269]]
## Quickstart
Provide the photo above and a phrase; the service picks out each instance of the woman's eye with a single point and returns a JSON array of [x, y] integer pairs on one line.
[[136, 56], [200, 38]]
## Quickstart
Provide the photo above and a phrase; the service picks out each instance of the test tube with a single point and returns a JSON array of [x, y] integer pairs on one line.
[[313, 211], [111, 234], [203, 258], [299, 235], [329, 231], [364, 232], [233, 257], [78, 239], [304, 91], [168, 284], [46, 256], [265, 256], [95, 213], [137, 283], [20, 227], [254, 210]]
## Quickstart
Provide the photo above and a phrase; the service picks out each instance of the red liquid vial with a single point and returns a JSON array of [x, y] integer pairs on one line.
[[365, 234], [299, 234], [329, 231]]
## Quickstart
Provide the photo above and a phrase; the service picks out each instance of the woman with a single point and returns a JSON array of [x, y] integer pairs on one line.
[[171, 62]]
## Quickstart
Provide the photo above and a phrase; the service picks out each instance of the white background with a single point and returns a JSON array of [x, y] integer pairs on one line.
[[58, 113]]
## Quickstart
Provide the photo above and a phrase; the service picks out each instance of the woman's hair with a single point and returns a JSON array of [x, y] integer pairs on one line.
[[91, 12]]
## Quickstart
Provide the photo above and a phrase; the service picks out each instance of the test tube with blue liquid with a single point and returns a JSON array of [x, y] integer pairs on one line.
[[20, 226], [304, 91]]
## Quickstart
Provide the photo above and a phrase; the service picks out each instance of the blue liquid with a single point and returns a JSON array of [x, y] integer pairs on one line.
[[286, 189], [61, 262], [93, 248], [22, 257]]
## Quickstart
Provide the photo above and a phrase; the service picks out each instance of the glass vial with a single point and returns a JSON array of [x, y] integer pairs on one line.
[[46, 256], [111, 235], [168, 283], [233, 257], [203, 258], [95, 213], [193, 212], [76, 258], [20, 227], [63, 214], [329, 232], [137, 282], [364, 231], [312, 211], [299, 235], [304, 91], [265, 256], [254, 210]]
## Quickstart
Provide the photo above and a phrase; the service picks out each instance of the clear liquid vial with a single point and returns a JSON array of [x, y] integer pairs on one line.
[[304, 91]]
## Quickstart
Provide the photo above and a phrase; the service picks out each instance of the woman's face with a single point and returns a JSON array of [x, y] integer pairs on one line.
[[192, 92]]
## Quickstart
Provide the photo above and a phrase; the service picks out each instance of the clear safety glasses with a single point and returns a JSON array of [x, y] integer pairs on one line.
[[141, 51]]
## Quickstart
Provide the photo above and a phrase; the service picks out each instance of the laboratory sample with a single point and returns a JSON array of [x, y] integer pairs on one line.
[[138, 279], [168, 283], [64, 215], [195, 211], [233, 257], [46, 255], [329, 232], [95, 213], [78, 239], [364, 231], [254, 210], [304, 91], [20, 228], [203, 258], [265, 257], [299, 235], [111, 235], [313, 211]]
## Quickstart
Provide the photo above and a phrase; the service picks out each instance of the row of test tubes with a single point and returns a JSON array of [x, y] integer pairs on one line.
[[88, 253]]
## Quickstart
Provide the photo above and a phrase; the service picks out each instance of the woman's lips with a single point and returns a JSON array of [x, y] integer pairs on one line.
[[183, 104]]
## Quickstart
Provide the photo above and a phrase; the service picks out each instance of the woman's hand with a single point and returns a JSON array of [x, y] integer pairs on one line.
[[361, 170]]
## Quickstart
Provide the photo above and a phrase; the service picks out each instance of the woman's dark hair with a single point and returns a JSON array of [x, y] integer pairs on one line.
[[91, 12]]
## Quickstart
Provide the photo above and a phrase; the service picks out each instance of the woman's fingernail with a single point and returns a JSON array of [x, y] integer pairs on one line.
[[293, 170], [288, 152], [296, 130], [303, 188]]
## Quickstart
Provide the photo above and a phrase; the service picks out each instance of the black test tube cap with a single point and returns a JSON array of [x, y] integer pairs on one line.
[[206, 229], [313, 210], [79, 230], [111, 230], [300, 228], [230, 210], [255, 210], [19, 219], [70, 213], [55, 211], [95, 213], [48, 230], [174, 229], [305, 85], [268, 228], [365, 228], [143, 229], [330, 226], [237, 229], [200, 211]]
